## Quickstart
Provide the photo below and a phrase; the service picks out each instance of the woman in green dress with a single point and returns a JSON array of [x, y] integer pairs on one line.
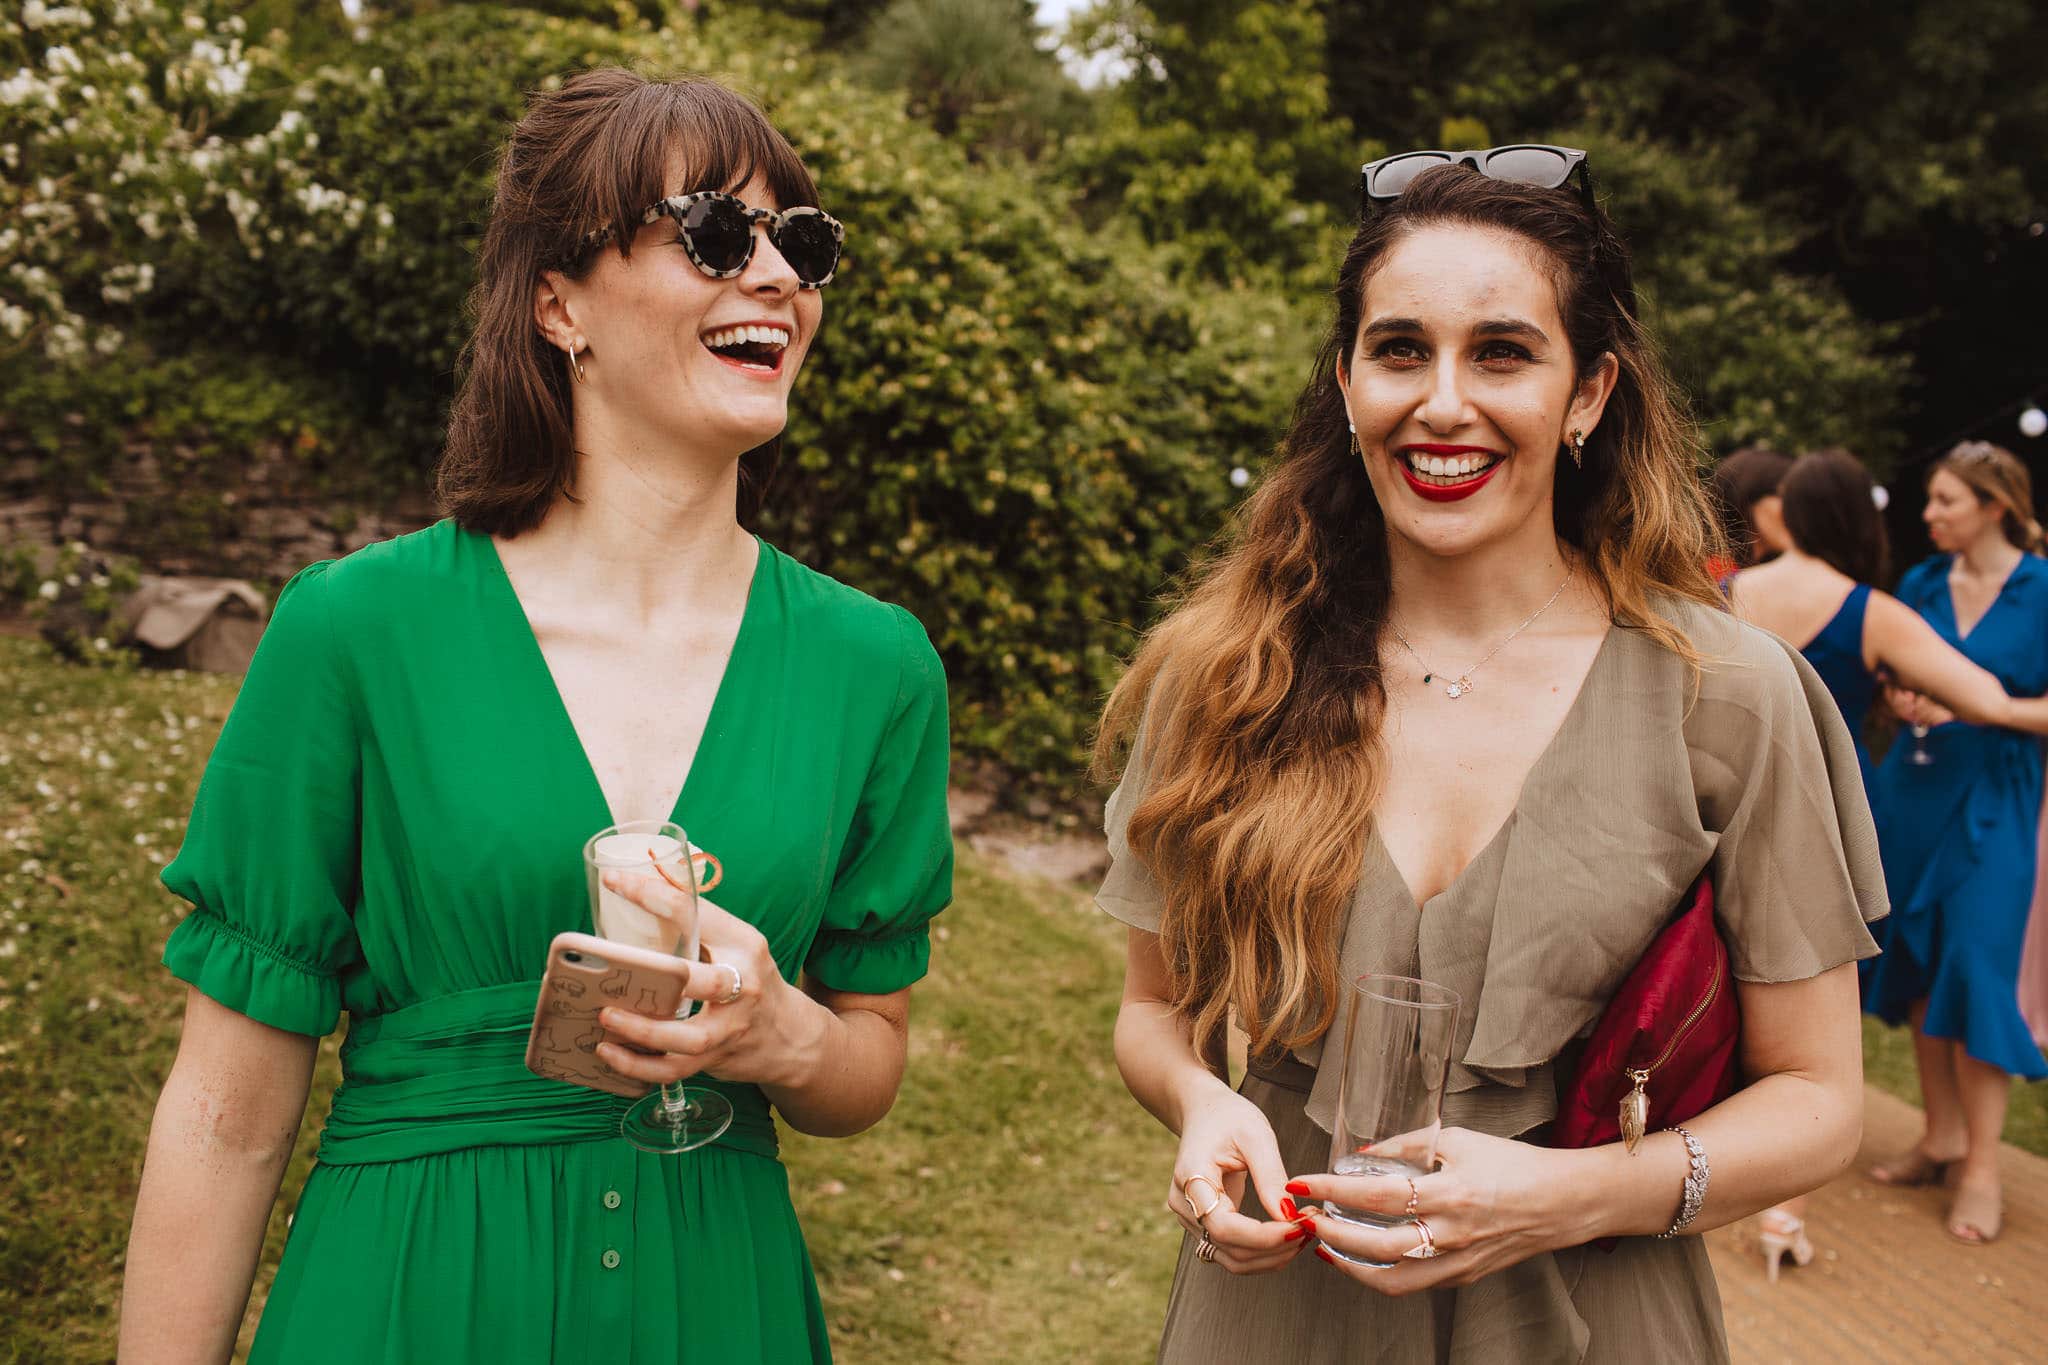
[[391, 823]]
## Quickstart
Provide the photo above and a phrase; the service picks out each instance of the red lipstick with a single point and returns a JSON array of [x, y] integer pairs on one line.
[[1446, 492]]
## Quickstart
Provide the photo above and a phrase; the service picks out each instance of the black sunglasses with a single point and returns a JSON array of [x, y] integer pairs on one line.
[[717, 232], [1524, 163]]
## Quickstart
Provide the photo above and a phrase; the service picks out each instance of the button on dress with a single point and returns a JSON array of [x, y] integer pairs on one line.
[[391, 827], [1649, 780]]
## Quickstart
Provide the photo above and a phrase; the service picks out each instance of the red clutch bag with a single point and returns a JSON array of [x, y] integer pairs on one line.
[[1664, 1049]]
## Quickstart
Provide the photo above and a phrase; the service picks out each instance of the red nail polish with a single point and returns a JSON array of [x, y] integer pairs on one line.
[[1288, 1211], [1296, 1187], [1296, 1235], [1324, 1254]]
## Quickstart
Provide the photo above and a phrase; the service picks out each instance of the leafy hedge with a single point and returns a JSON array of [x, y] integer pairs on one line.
[[1016, 424]]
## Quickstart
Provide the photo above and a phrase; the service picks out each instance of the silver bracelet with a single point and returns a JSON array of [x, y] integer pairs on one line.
[[1696, 1178]]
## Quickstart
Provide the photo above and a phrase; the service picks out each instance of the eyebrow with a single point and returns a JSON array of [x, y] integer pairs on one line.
[[1492, 327]]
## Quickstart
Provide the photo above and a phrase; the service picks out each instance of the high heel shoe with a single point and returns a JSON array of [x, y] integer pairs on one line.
[[1781, 1235]]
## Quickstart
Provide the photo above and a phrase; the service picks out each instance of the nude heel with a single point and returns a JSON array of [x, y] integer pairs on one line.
[[1783, 1235]]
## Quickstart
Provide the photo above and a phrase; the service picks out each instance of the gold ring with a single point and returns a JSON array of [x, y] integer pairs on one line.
[[1424, 1249], [1205, 1250], [1413, 1195], [1200, 1214]]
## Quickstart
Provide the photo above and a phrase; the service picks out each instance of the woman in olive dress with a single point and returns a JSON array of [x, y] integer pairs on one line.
[[391, 824], [1459, 702]]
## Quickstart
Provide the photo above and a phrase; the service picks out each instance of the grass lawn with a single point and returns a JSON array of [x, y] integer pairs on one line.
[[1009, 1209]]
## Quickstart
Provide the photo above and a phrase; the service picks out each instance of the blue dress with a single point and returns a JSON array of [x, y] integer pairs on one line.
[[1958, 837], [1836, 653]]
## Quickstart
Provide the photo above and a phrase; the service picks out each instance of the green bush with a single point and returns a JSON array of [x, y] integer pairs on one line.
[[1017, 424], [74, 595]]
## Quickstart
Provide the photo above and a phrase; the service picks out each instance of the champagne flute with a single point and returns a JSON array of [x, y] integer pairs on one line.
[[1390, 1096], [677, 1117]]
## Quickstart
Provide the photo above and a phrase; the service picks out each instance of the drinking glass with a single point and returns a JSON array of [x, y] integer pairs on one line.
[[1390, 1096], [676, 1117], [1919, 757]]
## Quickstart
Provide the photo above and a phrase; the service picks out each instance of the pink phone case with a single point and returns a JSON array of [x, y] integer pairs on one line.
[[584, 975]]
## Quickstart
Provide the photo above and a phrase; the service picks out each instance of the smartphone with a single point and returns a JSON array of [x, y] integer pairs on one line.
[[584, 975]]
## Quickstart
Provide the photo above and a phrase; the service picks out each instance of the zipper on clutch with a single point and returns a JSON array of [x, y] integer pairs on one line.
[[1635, 1106]]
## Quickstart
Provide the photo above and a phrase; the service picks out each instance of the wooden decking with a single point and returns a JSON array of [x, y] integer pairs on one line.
[[1889, 1285]]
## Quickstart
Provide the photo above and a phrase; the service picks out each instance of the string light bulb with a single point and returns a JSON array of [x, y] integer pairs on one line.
[[2033, 421]]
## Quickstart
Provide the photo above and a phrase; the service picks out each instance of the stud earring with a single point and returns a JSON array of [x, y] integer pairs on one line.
[[575, 364], [1578, 448]]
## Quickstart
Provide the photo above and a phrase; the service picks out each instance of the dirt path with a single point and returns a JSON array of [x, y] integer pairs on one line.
[[1889, 1285]]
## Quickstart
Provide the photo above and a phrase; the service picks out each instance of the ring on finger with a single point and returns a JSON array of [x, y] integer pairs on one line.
[[1413, 1195], [733, 993], [1424, 1249], [1200, 1214], [1205, 1250]]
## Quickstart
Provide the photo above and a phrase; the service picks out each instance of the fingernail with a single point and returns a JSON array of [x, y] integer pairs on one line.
[[1296, 1187], [1324, 1254], [1288, 1211], [1296, 1235]]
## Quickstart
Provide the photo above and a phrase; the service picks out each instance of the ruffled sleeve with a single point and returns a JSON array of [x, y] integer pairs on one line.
[[1795, 863], [270, 860], [1128, 891], [897, 869]]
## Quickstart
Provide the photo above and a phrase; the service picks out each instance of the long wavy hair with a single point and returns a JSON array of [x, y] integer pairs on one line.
[[1831, 511], [590, 155], [1257, 703], [1995, 474]]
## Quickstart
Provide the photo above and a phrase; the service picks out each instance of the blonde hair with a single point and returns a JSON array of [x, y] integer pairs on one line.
[[1995, 474], [1260, 694]]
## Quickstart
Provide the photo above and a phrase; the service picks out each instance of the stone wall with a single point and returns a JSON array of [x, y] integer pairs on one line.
[[264, 520]]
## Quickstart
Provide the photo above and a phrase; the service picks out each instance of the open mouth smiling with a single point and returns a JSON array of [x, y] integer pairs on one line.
[[1446, 473], [755, 347]]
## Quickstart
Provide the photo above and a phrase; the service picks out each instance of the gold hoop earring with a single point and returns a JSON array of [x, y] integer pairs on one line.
[[575, 364], [1578, 449]]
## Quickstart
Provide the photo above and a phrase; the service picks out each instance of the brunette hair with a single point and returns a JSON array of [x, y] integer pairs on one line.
[[587, 157], [1831, 511], [1260, 696], [1995, 474], [1741, 479]]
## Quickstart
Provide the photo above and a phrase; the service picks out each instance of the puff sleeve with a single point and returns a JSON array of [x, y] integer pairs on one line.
[[896, 871], [271, 859], [1795, 864]]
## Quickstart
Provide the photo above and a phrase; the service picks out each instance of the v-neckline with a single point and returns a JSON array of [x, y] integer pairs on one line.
[[1955, 617], [567, 724], [1569, 721]]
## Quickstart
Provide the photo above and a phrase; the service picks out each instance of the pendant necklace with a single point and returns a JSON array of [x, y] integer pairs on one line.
[[1460, 685]]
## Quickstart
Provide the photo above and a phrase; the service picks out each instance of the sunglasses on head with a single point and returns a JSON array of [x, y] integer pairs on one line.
[[1523, 163], [717, 233]]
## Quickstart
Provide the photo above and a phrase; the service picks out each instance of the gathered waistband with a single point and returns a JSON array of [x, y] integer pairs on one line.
[[450, 1073]]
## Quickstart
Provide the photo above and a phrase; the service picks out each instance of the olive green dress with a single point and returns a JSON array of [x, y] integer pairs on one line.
[[1639, 791], [392, 824]]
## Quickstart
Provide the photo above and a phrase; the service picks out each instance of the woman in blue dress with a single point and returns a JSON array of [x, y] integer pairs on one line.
[[1817, 595], [1958, 833]]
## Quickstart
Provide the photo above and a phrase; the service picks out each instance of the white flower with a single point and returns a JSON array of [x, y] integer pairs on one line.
[[49, 590], [63, 60]]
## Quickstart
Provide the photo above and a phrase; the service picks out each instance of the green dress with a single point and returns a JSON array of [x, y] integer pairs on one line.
[[392, 825]]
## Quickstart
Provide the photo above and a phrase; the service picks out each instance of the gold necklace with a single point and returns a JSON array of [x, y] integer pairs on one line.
[[1462, 684]]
